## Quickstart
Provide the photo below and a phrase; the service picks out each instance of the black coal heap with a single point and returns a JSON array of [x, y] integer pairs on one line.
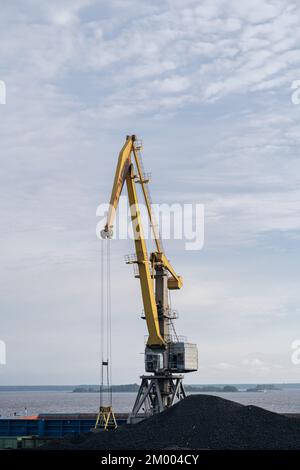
[[198, 422]]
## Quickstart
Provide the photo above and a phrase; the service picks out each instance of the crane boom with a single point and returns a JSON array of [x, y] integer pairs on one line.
[[150, 308], [120, 177], [146, 195], [125, 172]]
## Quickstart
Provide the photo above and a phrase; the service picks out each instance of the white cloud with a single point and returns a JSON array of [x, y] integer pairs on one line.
[[224, 366], [171, 85]]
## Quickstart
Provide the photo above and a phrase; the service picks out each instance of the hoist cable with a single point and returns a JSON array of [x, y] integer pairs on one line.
[[108, 319], [101, 321], [105, 325], [109, 340]]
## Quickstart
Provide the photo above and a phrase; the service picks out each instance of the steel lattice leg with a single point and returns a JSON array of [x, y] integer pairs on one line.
[[151, 397]]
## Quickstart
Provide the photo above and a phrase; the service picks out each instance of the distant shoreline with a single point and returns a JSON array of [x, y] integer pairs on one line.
[[132, 388]]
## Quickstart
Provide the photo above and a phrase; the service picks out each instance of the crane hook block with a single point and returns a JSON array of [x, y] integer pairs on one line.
[[106, 233]]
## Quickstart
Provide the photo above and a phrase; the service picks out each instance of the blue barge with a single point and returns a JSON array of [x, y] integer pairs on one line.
[[51, 425]]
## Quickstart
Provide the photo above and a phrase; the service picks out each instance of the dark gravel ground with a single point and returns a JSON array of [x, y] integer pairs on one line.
[[198, 422]]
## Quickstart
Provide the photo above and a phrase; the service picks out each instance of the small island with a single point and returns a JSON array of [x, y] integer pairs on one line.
[[263, 388], [211, 388]]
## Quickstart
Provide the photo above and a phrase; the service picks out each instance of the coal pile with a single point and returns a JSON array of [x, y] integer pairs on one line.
[[198, 422]]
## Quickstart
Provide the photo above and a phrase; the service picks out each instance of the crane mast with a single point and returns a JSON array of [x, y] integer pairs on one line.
[[166, 357]]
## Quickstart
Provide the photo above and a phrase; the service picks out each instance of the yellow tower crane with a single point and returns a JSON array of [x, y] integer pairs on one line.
[[166, 356]]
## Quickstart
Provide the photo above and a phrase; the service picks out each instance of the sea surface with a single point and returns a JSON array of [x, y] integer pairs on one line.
[[29, 403]]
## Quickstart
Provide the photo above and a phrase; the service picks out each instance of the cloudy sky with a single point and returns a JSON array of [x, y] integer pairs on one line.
[[207, 85]]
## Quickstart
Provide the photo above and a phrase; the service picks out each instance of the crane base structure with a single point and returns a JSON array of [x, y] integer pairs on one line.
[[156, 393]]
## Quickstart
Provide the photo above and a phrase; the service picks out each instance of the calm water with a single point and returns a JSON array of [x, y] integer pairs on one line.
[[287, 401]]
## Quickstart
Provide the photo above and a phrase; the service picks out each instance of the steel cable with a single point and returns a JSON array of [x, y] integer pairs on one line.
[[105, 325]]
